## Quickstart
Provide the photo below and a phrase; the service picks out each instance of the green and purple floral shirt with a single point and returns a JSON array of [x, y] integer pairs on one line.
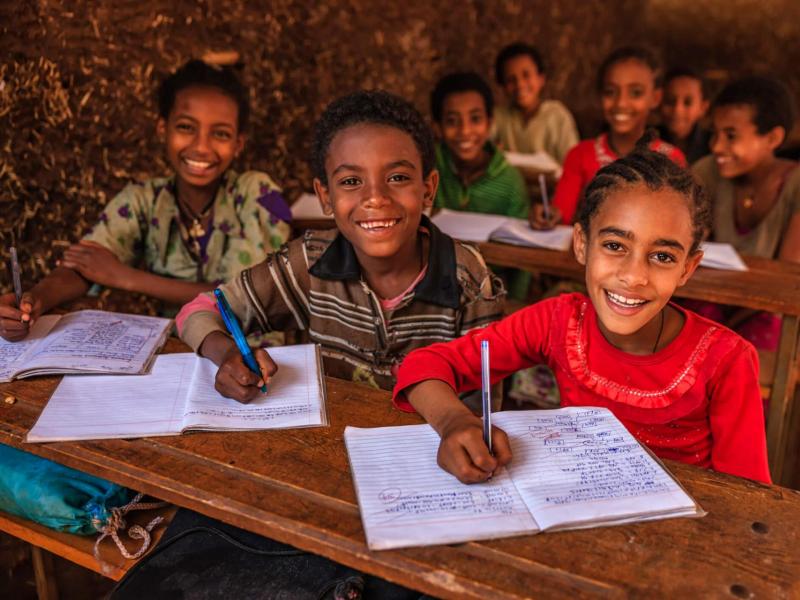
[[250, 220]]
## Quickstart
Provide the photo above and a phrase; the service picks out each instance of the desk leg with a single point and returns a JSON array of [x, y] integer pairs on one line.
[[782, 399]]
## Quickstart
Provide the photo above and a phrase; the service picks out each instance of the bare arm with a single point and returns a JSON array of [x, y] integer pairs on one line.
[[97, 263], [462, 450]]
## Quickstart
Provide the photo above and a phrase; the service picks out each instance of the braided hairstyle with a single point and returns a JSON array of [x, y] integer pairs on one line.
[[654, 170]]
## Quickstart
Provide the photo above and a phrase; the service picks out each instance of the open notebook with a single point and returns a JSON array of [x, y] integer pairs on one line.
[[572, 468], [480, 227], [179, 395], [87, 341]]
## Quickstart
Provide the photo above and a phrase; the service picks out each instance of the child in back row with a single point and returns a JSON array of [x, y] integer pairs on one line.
[[629, 83], [755, 194], [682, 110], [173, 237], [474, 175], [684, 386], [385, 282], [530, 124]]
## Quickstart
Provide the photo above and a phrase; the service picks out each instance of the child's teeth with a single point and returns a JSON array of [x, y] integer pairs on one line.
[[197, 164], [378, 224], [623, 300]]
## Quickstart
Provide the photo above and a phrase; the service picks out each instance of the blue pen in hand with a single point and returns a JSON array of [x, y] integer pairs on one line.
[[232, 323]]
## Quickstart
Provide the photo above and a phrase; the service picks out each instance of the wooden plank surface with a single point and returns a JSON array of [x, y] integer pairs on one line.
[[80, 548], [295, 486]]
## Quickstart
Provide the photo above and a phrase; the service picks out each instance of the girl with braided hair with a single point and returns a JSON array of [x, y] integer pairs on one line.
[[685, 386]]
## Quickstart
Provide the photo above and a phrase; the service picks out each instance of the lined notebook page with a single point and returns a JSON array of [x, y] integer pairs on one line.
[[580, 465], [407, 500], [295, 397], [94, 340], [92, 407], [12, 353]]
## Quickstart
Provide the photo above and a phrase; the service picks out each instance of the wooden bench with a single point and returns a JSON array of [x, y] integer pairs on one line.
[[79, 548]]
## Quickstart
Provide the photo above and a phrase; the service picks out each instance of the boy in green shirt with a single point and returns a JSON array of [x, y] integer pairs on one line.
[[474, 175]]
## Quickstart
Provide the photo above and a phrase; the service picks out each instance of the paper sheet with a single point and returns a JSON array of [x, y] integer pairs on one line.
[[294, 397], [407, 500], [721, 256], [98, 341], [540, 162], [468, 226], [93, 407], [580, 465], [518, 232], [12, 354]]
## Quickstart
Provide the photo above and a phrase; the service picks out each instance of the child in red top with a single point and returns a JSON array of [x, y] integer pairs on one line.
[[629, 83], [683, 385]]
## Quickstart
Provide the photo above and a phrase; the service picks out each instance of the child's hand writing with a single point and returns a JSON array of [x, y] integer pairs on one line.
[[235, 380], [15, 322], [538, 219], [96, 263], [463, 452]]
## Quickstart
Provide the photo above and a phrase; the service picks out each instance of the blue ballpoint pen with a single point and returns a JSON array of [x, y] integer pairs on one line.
[[232, 323]]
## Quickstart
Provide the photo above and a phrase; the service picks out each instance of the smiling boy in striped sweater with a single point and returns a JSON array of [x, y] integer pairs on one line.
[[385, 282]]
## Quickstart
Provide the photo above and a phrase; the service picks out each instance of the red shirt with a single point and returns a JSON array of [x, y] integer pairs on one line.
[[697, 400], [585, 160]]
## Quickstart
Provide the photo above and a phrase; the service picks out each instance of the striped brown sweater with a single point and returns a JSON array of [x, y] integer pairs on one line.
[[313, 284]]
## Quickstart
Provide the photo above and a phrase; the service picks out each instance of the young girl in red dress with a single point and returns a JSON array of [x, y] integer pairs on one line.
[[683, 385], [629, 84]]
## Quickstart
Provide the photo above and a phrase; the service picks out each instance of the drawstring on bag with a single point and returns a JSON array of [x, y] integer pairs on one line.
[[116, 522]]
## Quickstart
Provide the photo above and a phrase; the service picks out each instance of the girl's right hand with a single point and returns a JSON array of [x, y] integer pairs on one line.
[[538, 219], [15, 322], [463, 453], [235, 380]]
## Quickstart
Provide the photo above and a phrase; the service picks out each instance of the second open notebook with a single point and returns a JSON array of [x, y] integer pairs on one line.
[[572, 468], [179, 395]]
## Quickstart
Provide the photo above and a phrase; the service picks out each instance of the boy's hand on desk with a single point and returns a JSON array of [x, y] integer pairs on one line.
[[235, 380], [538, 220], [16, 322], [463, 453], [96, 263]]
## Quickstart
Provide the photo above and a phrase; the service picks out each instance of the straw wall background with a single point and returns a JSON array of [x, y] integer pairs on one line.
[[77, 79]]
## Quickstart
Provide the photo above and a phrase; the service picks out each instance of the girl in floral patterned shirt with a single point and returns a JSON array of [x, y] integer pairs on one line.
[[175, 237]]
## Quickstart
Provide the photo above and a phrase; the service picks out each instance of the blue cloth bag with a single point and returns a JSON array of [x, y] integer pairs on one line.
[[56, 496]]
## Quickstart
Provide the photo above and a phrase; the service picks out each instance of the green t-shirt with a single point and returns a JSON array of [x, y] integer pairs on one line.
[[500, 190]]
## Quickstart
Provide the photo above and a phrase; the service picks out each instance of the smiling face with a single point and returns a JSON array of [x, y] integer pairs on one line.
[[522, 82], [628, 95], [736, 144], [683, 105], [376, 193], [465, 126], [636, 254], [202, 135]]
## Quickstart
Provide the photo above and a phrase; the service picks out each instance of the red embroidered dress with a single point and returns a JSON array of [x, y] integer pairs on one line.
[[697, 400], [585, 160]]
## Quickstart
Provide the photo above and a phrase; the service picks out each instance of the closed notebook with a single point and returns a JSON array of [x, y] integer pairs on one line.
[[572, 468], [179, 395], [86, 341]]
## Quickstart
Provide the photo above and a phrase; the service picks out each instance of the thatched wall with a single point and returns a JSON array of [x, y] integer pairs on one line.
[[77, 110]]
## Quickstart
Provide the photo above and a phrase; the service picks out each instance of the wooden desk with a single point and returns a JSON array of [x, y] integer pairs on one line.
[[295, 486], [769, 285]]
